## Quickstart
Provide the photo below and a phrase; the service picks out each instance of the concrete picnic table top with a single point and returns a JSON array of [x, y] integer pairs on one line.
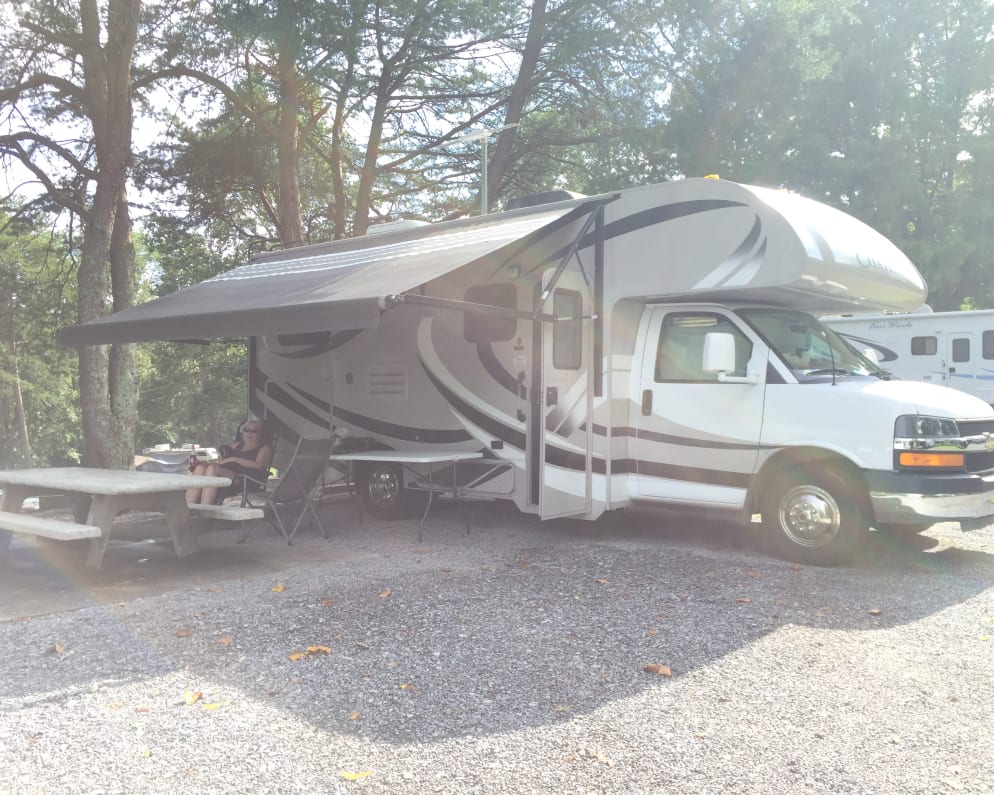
[[91, 480]]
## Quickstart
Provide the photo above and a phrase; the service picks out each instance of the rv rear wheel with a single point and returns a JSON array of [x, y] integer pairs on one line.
[[382, 489], [814, 514]]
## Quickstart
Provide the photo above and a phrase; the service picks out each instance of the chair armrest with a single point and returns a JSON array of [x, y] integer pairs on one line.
[[246, 479]]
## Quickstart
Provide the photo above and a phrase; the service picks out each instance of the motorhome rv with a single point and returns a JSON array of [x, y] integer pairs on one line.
[[954, 349], [657, 345]]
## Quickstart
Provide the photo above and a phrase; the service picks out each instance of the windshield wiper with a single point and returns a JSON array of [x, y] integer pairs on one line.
[[830, 371]]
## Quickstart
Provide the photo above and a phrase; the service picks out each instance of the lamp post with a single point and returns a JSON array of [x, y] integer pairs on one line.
[[483, 136]]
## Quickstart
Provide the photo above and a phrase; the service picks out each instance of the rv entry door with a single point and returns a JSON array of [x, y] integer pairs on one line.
[[697, 437], [560, 455]]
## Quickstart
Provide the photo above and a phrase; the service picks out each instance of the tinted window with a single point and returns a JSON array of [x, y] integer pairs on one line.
[[680, 354], [961, 350], [567, 334], [924, 346], [988, 345]]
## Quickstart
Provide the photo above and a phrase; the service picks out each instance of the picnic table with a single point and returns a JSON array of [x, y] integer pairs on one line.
[[429, 459], [98, 495]]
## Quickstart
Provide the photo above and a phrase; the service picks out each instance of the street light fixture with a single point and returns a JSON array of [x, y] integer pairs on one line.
[[483, 136]]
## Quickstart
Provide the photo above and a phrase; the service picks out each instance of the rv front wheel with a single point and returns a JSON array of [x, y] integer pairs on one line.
[[382, 490], [814, 514]]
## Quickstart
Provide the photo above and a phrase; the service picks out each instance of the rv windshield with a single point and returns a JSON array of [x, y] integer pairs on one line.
[[810, 348]]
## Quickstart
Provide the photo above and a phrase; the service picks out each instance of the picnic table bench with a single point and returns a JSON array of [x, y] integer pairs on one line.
[[99, 495]]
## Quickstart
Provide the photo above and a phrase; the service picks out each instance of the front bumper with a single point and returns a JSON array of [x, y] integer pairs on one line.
[[909, 498]]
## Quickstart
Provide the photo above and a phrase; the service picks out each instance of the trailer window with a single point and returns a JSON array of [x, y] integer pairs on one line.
[[961, 350], [988, 345], [567, 333], [924, 346], [484, 326], [680, 355]]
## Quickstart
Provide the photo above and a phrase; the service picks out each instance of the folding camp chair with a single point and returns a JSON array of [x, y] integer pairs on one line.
[[296, 491]]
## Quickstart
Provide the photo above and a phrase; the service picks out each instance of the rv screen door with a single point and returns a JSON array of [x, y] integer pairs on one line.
[[561, 446]]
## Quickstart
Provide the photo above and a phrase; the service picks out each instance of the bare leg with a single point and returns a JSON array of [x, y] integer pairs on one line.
[[194, 495], [209, 494]]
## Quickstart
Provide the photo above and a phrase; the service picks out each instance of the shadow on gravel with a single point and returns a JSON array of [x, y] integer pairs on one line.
[[520, 624]]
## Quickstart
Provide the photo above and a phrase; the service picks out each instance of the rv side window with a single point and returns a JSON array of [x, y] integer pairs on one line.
[[924, 346], [486, 327], [680, 354], [567, 334], [988, 345], [961, 350]]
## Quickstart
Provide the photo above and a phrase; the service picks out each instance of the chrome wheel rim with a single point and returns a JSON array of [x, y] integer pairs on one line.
[[383, 487], [810, 516]]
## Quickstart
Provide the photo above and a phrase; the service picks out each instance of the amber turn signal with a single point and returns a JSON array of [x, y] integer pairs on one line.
[[931, 459]]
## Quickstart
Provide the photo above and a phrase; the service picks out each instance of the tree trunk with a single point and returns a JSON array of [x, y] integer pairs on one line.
[[107, 382], [288, 141], [21, 418], [500, 162]]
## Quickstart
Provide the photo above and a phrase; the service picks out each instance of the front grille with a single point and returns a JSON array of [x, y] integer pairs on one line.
[[978, 461], [975, 427]]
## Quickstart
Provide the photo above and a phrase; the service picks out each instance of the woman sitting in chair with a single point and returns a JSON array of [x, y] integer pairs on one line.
[[251, 456]]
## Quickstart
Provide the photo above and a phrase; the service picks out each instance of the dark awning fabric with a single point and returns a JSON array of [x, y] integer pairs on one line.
[[325, 287]]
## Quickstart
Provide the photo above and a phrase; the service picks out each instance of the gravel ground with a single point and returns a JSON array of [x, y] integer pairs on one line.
[[513, 661]]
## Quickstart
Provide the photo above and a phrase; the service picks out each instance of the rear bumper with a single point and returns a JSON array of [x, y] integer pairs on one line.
[[908, 498]]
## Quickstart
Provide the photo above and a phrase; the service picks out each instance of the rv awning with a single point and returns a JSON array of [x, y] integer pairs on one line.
[[325, 287]]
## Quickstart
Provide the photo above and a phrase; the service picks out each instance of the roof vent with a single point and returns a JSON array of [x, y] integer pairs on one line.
[[535, 199]]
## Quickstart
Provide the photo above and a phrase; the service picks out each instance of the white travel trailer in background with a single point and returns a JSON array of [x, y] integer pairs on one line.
[[650, 346], [953, 349]]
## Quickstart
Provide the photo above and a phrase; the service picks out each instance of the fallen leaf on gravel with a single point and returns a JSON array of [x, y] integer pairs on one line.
[[191, 697], [362, 646], [55, 648], [406, 686], [225, 640], [146, 753], [797, 567], [658, 668], [652, 632], [875, 611], [295, 656], [142, 710], [355, 715], [213, 706], [115, 705], [743, 599], [446, 569], [601, 581], [279, 588], [985, 637], [755, 575], [183, 633], [327, 603], [561, 708], [355, 776], [384, 593], [318, 650], [484, 568]]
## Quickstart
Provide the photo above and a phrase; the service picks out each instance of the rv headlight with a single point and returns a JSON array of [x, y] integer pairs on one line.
[[916, 426], [928, 443]]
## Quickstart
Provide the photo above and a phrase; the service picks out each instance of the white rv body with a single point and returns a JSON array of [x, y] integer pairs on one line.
[[954, 349], [568, 395]]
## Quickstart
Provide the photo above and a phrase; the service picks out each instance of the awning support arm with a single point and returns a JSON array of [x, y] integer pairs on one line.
[[570, 252]]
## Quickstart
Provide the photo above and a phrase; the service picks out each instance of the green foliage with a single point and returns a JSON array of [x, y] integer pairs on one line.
[[37, 295]]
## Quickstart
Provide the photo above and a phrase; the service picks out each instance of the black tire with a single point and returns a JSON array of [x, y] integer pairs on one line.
[[381, 487], [814, 514]]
